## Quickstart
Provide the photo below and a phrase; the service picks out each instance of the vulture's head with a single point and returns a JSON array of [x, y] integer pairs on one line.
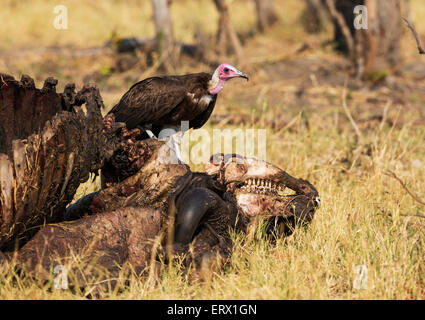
[[223, 73]]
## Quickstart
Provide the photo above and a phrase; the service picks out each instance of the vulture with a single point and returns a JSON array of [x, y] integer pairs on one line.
[[163, 102]]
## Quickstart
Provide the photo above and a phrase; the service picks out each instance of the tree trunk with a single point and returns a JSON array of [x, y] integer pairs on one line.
[[227, 39], [164, 33], [371, 39], [266, 14], [390, 30], [378, 46], [49, 144], [314, 15]]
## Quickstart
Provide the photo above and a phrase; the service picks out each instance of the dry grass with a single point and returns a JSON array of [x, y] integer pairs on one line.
[[362, 219]]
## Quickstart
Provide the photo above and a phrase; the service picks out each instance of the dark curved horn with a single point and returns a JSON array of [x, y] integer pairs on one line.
[[192, 208], [80, 208]]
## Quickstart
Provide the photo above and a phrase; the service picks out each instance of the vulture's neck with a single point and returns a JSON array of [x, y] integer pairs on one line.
[[215, 84]]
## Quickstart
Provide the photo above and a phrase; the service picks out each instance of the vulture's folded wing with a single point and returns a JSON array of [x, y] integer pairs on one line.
[[149, 100]]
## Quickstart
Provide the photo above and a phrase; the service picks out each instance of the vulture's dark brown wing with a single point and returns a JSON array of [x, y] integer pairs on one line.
[[149, 100]]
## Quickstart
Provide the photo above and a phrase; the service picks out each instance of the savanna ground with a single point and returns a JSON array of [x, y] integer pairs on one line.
[[366, 217]]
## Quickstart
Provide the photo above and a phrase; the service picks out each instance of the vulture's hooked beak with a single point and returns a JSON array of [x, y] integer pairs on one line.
[[243, 75]]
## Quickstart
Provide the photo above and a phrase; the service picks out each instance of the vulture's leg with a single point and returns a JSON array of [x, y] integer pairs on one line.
[[177, 141], [193, 209], [151, 135], [173, 141]]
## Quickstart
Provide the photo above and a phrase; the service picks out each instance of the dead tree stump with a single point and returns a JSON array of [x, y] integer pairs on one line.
[[49, 144], [227, 37], [164, 33], [266, 14]]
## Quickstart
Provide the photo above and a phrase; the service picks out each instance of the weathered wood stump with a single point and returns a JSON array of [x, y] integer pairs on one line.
[[49, 144]]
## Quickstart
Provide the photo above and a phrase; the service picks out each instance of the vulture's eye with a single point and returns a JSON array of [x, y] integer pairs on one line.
[[226, 70]]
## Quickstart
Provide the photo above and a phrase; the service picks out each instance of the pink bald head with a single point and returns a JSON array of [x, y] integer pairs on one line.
[[223, 73], [226, 71]]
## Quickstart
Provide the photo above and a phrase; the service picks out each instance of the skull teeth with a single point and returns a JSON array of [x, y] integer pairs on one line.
[[262, 186]]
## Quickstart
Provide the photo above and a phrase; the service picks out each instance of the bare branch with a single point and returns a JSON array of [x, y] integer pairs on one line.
[[415, 34], [342, 24], [226, 34], [413, 215], [348, 113], [390, 214], [415, 197]]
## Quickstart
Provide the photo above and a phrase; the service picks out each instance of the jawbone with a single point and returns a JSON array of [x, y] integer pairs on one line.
[[253, 205], [261, 189]]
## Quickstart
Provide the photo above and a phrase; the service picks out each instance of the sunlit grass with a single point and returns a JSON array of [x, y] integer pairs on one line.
[[360, 222]]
